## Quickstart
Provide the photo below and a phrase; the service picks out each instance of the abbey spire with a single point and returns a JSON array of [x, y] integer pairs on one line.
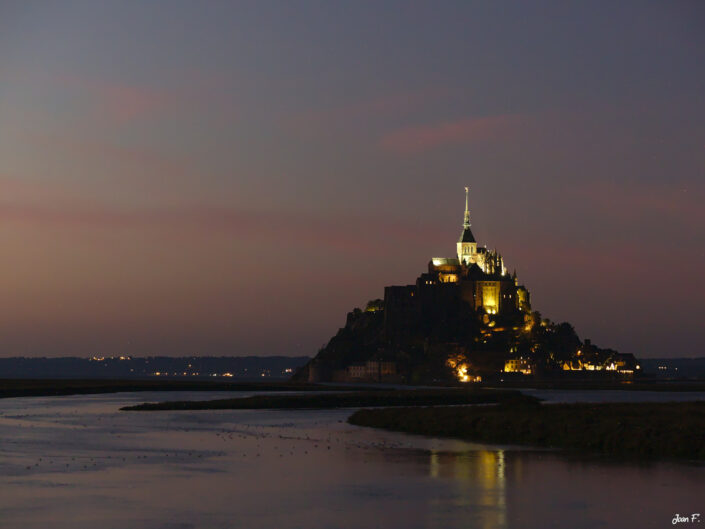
[[466, 221], [467, 246]]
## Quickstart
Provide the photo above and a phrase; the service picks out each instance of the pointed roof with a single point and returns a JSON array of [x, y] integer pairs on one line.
[[467, 236]]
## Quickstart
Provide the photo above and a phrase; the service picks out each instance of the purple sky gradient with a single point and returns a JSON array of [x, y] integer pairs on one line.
[[231, 178]]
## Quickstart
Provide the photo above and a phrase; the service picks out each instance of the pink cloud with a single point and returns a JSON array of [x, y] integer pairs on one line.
[[370, 235], [397, 103], [134, 155], [620, 259], [121, 103], [25, 190], [134, 163], [391, 103], [423, 138], [118, 102], [124, 103]]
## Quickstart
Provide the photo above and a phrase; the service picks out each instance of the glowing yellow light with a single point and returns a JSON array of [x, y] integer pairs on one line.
[[462, 372], [521, 365], [458, 363]]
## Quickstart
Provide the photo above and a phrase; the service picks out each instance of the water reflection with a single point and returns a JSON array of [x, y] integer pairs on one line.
[[479, 479], [76, 462]]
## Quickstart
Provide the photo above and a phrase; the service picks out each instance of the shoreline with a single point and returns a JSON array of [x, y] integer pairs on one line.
[[593, 385], [47, 387]]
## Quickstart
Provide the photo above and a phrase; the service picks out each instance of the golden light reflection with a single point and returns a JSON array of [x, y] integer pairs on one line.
[[480, 477]]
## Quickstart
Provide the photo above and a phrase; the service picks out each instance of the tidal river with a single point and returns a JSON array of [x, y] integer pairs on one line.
[[77, 462]]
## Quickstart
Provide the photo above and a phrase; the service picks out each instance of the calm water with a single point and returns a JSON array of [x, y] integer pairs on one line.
[[77, 462]]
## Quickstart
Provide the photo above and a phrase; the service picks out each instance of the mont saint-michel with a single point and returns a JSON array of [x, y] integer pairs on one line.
[[467, 318]]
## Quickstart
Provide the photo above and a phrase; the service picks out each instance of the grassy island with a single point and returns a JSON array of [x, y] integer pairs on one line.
[[350, 399], [638, 430]]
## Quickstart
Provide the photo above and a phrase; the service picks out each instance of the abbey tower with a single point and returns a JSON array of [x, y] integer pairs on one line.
[[467, 246]]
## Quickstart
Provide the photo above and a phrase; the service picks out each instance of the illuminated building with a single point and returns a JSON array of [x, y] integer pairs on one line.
[[466, 311], [519, 365], [624, 364], [477, 275]]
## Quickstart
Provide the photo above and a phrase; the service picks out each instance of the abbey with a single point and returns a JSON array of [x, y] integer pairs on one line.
[[466, 319], [477, 276]]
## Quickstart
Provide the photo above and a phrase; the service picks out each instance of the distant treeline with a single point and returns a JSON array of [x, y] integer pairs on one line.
[[243, 367]]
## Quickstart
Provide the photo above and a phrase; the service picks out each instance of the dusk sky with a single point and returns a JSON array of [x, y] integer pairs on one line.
[[232, 178]]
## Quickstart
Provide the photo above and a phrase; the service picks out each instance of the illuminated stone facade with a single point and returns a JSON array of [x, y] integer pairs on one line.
[[481, 275], [519, 365], [477, 275]]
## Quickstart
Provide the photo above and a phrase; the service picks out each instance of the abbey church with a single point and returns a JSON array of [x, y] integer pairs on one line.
[[477, 275]]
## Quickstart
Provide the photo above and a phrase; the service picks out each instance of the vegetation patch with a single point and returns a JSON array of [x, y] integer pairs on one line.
[[632, 430]]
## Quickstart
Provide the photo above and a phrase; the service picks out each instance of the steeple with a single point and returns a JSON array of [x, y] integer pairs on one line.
[[467, 247], [466, 235], [466, 221]]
